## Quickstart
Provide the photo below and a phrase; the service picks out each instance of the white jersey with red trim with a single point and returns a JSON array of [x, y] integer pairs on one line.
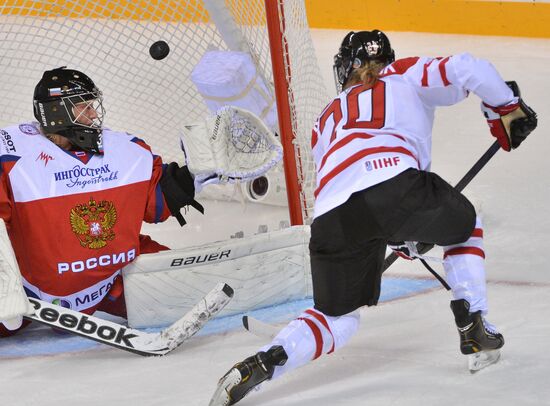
[[74, 218], [368, 135]]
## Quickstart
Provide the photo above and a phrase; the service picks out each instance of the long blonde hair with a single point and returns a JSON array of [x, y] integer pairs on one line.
[[367, 74]]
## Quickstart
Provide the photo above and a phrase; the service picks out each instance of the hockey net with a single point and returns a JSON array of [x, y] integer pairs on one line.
[[153, 99]]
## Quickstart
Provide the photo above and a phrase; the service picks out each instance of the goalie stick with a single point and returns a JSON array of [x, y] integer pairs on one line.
[[129, 339]]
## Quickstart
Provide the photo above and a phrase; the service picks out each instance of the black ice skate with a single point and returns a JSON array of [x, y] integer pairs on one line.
[[478, 338], [247, 375]]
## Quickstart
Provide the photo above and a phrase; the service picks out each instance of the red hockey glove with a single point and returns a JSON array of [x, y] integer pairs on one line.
[[511, 123]]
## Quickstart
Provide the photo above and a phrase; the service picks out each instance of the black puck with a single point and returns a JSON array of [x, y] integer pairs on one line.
[[159, 50]]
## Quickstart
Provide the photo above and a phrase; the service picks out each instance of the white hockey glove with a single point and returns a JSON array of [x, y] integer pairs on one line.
[[233, 146], [13, 300], [410, 250], [404, 249]]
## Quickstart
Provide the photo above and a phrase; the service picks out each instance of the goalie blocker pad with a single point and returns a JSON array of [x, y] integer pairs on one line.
[[264, 270]]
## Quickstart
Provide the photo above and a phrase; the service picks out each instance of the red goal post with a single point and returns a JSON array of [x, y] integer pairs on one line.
[[282, 76]]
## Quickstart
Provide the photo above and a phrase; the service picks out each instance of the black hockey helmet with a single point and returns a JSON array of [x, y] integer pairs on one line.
[[67, 102], [358, 47]]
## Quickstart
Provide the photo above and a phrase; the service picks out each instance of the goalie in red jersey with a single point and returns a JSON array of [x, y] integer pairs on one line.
[[372, 149], [73, 197]]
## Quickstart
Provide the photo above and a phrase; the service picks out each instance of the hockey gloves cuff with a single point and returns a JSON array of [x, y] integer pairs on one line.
[[177, 186]]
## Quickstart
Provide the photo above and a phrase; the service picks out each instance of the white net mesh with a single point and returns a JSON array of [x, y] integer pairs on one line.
[[246, 138], [110, 40]]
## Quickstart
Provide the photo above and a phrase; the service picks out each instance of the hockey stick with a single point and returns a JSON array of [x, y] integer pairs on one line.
[[421, 247], [259, 328], [129, 339]]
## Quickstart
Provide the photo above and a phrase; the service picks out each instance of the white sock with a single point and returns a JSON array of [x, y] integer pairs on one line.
[[465, 269], [312, 334]]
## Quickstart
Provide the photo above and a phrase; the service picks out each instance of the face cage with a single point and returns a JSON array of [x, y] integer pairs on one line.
[[92, 100], [341, 72]]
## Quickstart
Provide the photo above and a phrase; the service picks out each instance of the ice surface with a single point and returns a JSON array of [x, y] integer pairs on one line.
[[406, 352]]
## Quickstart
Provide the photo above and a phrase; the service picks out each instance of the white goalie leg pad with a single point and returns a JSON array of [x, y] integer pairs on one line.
[[312, 334], [264, 270], [13, 300], [464, 266]]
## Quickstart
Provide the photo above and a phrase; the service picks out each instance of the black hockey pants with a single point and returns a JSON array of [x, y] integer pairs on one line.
[[348, 243]]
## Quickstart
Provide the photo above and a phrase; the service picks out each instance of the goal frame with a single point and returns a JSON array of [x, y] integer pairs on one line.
[[281, 71]]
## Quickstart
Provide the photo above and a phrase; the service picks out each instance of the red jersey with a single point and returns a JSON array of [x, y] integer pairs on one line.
[[74, 218], [368, 135]]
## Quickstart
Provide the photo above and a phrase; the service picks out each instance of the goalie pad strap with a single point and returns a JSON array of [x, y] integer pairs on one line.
[[178, 188]]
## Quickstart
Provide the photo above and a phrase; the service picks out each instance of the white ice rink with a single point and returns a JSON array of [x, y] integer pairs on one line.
[[406, 352]]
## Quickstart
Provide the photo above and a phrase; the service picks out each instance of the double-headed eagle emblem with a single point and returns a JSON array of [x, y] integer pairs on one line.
[[93, 222]]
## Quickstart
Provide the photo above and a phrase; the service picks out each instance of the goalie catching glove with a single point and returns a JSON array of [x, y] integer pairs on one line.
[[512, 122], [233, 146]]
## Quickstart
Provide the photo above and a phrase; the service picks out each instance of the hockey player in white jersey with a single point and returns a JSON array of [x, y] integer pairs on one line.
[[372, 147]]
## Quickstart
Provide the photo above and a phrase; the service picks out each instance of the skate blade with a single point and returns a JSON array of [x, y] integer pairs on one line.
[[229, 381], [482, 359]]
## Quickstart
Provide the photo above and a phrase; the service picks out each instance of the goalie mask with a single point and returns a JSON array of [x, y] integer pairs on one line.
[[356, 49], [67, 102]]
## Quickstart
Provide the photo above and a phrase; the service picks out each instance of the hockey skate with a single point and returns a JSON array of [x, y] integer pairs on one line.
[[478, 338], [247, 375]]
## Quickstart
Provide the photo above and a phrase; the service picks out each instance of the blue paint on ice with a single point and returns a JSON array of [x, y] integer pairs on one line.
[[392, 288], [41, 340]]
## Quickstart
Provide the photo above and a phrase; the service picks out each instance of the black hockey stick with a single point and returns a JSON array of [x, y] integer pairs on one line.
[[129, 339], [421, 247]]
